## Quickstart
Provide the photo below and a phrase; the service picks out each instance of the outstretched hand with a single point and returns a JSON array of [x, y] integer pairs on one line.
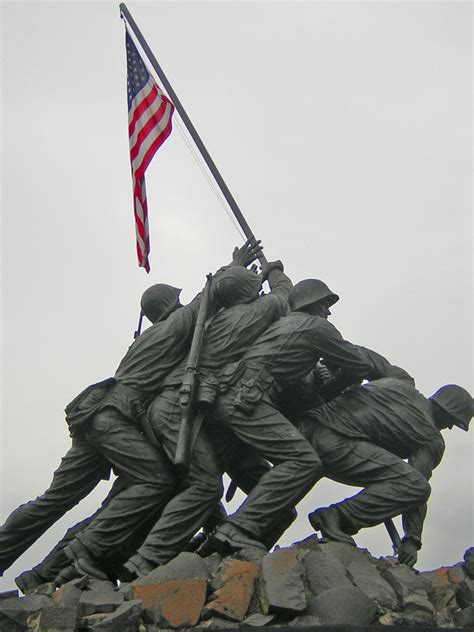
[[247, 253], [408, 553]]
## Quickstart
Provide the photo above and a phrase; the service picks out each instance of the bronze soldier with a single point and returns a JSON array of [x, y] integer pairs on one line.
[[245, 315], [362, 438], [104, 425], [284, 354]]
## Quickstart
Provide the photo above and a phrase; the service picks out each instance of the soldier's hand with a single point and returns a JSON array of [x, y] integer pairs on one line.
[[247, 253], [271, 265], [408, 553]]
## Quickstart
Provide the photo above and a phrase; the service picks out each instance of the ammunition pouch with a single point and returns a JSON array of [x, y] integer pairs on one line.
[[207, 391], [86, 404], [210, 386], [251, 390]]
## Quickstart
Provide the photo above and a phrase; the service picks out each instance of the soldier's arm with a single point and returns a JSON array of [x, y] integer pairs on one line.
[[424, 460], [361, 362], [280, 286]]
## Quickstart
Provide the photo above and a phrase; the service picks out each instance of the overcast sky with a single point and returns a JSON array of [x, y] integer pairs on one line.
[[343, 131]]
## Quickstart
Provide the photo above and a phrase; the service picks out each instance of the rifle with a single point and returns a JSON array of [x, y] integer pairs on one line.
[[188, 387], [394, 536]]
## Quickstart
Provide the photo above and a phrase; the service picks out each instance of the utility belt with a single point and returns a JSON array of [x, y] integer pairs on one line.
[[251, 385], [106, 394], [211, 385]]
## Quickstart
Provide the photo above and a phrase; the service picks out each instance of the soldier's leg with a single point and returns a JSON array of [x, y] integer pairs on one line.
[[184, 515], [391, 486], [148, 478], [79, 472], [296, 466], [245, 468], [56, 560]]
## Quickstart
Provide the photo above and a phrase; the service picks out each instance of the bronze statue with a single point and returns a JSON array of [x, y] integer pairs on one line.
[[285, 353], [362, 438], [245, 315], [104, 425]]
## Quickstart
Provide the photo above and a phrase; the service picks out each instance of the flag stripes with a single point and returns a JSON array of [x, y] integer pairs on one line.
[[149, 125]]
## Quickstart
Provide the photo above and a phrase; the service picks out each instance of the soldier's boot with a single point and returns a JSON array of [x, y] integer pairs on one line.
[[83, 560], [28, 581], [227, 539], [328, 521], [136, 566], [67, 574]]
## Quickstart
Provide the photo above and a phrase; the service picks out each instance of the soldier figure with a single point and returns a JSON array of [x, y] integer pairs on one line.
[[104, 425], [245, 315], [362, 438], [284, 354]]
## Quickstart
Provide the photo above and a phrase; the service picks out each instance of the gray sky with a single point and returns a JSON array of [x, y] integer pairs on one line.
[[343, 131]]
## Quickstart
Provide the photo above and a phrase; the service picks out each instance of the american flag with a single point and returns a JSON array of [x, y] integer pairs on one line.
[[149, 125]]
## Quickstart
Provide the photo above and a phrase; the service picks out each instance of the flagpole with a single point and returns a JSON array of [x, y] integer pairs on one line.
[[125, 13]]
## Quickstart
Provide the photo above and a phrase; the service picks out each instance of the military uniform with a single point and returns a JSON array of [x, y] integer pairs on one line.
[[363, 437], [228, 335], [284, 354], [104, 424]]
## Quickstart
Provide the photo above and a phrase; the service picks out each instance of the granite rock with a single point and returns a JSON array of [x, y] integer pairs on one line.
[[344, 605], [184, 566], [324, 572], [233, 586], [173, 604], [14, 612], [53, 619], [365, 576], [465, 593], [126, 618], [101, 599], [282, 582]]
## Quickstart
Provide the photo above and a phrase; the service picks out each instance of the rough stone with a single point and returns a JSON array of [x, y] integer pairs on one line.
[[97, 601], [213, 563], [15, 611], [465, 618], [403, 580], [88, 622], [216, 623], [310, 543], [465, 593], [365, 576], [53, 619], [174, 603], [184, 566], [324, 572], [258, 620], [233, 587], [418, 600], [67, 596], [345, 605], [282, 582], [251, 554], [346, 553], [126, 618], [441, 592]]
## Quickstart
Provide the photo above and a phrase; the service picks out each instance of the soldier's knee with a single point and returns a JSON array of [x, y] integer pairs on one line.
[[425, 490], [421, 488], [312, 464]]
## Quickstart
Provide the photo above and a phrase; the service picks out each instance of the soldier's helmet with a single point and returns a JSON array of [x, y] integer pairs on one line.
[[237, 285], [159, 301], [457, 403], [310, 291]]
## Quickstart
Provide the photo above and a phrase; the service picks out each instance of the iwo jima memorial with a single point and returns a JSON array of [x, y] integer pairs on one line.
[[259, 385]]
